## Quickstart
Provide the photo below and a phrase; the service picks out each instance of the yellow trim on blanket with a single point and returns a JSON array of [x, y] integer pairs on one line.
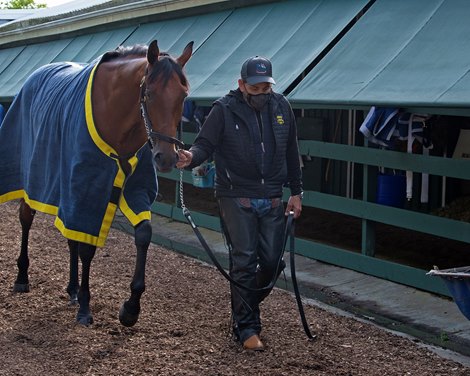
[[11, 196], [98, 241], [40, 206], [102, 145], [33, 204], [133, 218], [108, 150], [77, 235], [120, 176], [99, 142]]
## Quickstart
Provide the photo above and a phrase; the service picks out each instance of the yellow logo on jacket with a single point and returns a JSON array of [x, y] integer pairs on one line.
[[280, 119]]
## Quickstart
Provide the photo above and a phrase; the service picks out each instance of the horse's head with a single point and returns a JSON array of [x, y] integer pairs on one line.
[[164, 89]]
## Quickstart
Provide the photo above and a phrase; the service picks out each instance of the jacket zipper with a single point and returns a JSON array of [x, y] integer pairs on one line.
[[260, 123]]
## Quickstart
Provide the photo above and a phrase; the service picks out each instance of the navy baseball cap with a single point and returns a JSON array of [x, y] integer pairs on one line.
[[257, 69]]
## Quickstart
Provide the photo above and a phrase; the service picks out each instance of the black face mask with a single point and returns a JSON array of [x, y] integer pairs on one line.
[[257, 101]]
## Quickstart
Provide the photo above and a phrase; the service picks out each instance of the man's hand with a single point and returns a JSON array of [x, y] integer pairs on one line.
[[294, 204], [184, 158]]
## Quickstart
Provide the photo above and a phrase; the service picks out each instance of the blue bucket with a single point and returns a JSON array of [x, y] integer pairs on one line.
[[457, 281], [203, 175], [391, 190]]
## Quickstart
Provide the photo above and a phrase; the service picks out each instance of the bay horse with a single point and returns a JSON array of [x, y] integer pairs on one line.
[[82, 140]]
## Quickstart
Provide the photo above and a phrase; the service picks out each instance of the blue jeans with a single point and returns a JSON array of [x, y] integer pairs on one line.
[[261, 206], [254, 229]]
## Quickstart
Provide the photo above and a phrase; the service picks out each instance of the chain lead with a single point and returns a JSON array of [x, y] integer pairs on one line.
[[183, 206]]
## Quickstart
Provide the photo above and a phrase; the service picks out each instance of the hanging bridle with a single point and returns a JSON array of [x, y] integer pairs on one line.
[[153, 136]]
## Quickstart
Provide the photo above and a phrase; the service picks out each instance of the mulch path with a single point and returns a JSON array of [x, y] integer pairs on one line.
[[184, 324]]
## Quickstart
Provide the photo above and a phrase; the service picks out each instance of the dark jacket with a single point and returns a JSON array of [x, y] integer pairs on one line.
[[255, 153]]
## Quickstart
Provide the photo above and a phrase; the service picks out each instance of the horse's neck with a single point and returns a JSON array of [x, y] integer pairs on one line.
[[115, 98]]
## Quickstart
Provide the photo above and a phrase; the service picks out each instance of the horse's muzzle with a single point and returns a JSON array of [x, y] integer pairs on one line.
[[165, 161]]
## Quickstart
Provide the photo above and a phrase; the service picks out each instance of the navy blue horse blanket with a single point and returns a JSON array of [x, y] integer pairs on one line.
[[52, 156]]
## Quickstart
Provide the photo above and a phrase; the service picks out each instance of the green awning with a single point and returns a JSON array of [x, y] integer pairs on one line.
[[85, 48], [291, 33], [173, 35], [399, 54], [8, 55], [81, 49], [28, 60]]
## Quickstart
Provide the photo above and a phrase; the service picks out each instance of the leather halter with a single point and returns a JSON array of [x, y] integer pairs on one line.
[[153, 136]]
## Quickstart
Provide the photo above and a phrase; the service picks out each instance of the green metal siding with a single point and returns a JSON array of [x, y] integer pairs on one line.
[[399, 54], [20, 62], [29, 59], [291, 33], [7, 56], [85, 48], [173, 35]]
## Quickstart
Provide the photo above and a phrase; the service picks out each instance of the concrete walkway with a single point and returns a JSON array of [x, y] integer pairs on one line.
[[434, 320]]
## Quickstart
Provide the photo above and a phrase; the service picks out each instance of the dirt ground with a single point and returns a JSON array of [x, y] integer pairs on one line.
[[184, 324]]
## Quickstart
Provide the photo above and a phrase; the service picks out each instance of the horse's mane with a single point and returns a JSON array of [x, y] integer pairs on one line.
[[166, 66]]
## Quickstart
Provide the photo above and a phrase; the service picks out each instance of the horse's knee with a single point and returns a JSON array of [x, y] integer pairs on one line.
[[143, 233], [86, 252], [26, 215]]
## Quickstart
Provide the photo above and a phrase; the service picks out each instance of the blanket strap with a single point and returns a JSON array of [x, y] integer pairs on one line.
[[115, 195]]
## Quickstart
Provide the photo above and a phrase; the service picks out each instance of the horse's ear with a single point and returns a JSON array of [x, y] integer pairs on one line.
[[187, 52], [153, 52]]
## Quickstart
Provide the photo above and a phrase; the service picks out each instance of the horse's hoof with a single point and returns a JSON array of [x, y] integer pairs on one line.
[[21, 287], [126, 318], [84, 319], [73, 301]]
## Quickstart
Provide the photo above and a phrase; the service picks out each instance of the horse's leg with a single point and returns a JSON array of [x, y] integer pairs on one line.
[[86, 253], [73, 286], [26, 220], [129, 312]]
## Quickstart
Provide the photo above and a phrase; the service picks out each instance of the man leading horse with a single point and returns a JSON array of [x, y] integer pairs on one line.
[[252, 133]]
